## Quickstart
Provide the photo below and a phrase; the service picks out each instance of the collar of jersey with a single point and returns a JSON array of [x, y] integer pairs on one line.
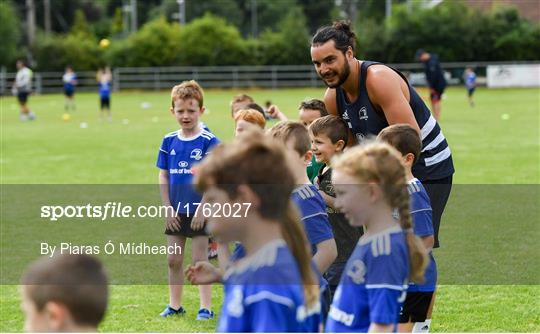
[[390, 230], [413, 180], [266, 256], [181, 136]]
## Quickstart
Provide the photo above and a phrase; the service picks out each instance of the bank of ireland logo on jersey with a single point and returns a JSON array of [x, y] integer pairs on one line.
[[196, 154]]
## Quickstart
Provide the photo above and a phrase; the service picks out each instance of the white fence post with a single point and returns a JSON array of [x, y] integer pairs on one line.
[[3, 81], [116, 79]]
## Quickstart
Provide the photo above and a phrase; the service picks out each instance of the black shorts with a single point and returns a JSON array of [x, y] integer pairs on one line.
[[436, 94], [470, 91], [185, 228], [22, 97], [416, 307], [105, 103], [438, 192], [69, 92], [333, 277]]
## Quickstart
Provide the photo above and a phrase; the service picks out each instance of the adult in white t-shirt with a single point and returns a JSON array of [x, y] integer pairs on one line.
[[22, 88]]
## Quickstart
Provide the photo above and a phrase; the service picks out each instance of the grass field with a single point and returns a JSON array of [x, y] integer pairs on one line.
[[489, 268]]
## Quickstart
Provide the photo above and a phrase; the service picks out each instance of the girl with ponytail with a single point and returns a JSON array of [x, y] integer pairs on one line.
[[370, 185], [273, 288]]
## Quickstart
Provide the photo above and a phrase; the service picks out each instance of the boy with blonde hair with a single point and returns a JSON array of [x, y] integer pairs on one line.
[[179, 152]]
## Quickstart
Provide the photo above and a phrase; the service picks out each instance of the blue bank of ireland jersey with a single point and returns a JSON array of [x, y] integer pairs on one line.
[[470, 80], [178, 154], [373, 285], [313, 214], [264, 293], [104, 88], [423, 227]]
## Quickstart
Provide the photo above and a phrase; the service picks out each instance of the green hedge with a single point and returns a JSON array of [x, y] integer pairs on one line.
[[453, 30]]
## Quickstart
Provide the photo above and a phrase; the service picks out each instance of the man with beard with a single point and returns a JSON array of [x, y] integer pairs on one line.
[[370, 96]]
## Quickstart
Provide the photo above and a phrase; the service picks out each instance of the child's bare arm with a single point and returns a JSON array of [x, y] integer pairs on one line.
[[429, 241], [326, 254], [329, 200]]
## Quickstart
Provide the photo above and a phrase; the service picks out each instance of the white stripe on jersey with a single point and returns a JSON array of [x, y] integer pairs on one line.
[[436, 158], [381, 245], [434, 142], [315, 214], [270, 296], [209, 134], [426, 129], [387, 286], [365, 240], [419, 210], [304, 191], [172, 134], [162, 150]]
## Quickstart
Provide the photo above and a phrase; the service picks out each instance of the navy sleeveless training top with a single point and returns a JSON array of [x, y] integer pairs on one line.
[[435, 161]]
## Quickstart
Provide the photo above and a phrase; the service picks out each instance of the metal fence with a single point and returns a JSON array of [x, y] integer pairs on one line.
[[158, 78]]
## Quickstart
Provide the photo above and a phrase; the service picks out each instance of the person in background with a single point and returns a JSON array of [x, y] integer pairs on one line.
[[104, 78], [22, 88], [70, 81], [435, 79], [470, 84]]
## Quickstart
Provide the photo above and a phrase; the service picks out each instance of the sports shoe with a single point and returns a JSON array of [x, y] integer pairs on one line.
[[212, 250], [205, 314], [168, 311]]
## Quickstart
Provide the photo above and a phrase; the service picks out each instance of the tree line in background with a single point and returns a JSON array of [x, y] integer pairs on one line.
[[221, 32]]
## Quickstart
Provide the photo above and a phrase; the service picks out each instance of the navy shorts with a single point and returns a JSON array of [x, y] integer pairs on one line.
[[438, 192], [105, 102], [69, 92], [470, 91], [436, 94], [22, 97]]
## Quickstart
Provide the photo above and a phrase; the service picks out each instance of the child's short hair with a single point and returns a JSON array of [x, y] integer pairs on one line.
[[332, 126], [77, 281], [242, 98], [314, 104], [404, 138], [251, 116], [187, 90], [287, 130], [256, 107]]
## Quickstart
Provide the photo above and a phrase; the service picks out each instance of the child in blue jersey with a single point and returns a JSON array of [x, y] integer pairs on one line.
[[306, 196], [273, 288], [418, 306], [329, 135], [179, 152], [470, 84], [104, 78], [370, 184], [70, 81]]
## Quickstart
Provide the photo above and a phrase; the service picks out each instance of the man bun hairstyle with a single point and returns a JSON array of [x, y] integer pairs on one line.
[[340, 32]]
